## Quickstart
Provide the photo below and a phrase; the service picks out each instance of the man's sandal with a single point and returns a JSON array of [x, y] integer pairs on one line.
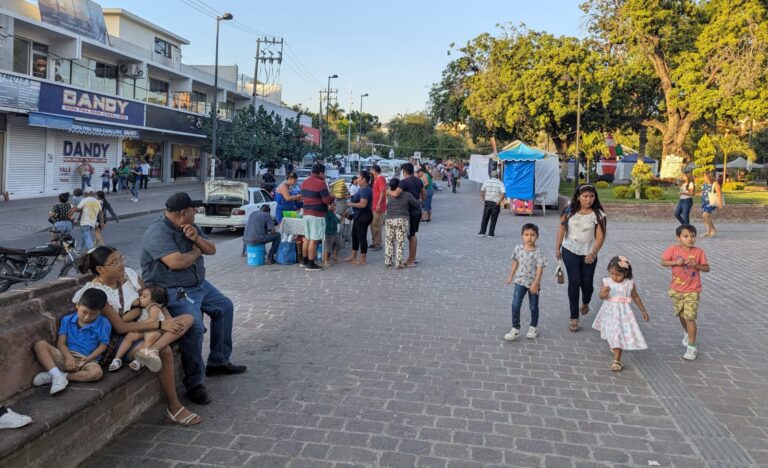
[[616, 366], [574, 326], [191, 420], [584, 309]]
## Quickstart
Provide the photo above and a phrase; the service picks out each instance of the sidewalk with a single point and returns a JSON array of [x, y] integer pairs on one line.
[[369, 366], [22, 217]]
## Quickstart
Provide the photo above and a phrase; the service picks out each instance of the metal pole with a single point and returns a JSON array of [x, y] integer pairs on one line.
[[360, 124], [578, 135], [215, 123], [349, 125], [256, 72], [322, 127]]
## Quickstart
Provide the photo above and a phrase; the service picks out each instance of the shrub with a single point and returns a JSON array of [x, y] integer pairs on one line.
[[654, 193], [749, 178], [732, 186], [620, 192], [601, 184]]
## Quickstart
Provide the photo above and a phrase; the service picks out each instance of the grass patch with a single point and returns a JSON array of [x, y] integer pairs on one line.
[[739, 197]]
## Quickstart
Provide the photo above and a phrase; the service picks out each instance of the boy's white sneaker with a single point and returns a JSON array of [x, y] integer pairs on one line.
[[533, 332], [11, 420], [43, 378], [690, 353], [514, 333], [685, 339], [59, 383]]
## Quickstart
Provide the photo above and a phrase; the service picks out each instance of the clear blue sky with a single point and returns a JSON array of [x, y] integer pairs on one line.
[[393, 50]]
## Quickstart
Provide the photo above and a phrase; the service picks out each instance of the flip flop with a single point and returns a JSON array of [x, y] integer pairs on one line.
[[574, 326]]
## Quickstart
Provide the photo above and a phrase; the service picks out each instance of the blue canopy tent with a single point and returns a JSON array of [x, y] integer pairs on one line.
[[520, 170]]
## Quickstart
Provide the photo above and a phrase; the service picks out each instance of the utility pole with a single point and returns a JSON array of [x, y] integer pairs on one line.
[[349, 125], [322, 127], [261, 57]]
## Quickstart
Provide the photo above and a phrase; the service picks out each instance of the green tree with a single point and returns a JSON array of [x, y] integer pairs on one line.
[[731, 145], [708, 57], [704, 157]]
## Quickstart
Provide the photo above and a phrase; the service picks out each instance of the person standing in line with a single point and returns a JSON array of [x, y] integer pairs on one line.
[[492, 193], [396, 225], [172, 258], [411, 184], [429, 191], [583, 227], [134, 179], [316, 198], [684, 204], [85, 171], [146, 168], [711, 198], [528, 264], [115, 178], [106, 178], [379, 188], [361, 203], [687, 263], [90, 213]]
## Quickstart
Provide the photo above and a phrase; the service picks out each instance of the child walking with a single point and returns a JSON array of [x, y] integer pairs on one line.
[[527, 268], [687, 262], [152, 300], [615, 320]]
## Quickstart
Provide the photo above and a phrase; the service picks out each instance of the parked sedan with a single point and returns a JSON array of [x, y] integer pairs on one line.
[[227, 205]]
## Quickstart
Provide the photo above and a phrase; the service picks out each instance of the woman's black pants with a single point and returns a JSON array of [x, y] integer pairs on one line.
[[581, 275], [360, 232]]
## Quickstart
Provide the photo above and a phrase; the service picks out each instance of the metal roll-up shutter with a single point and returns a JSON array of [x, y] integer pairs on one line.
[[26, 158], [78, 147]]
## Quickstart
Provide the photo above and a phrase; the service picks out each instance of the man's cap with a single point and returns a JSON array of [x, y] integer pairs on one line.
[[181, 201], [90, 190]]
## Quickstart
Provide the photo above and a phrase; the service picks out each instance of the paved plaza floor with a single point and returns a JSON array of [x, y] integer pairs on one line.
[[368, 366]]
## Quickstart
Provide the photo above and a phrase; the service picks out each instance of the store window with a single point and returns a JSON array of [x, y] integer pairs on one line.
[[87, 73], [151, 151], [186, 161], [163, 48], [134, 88], [200, 102], [30, 58], [158, 92], [39, 60]]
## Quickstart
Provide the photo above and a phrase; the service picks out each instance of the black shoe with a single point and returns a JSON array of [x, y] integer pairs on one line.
[[304, 262], [226, 369], [198, 395], [312, 266]]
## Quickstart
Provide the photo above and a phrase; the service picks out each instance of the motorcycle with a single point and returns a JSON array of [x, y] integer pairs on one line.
[[34, 264]]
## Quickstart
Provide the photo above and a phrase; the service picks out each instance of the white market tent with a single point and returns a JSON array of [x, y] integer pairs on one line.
[[740, 163]]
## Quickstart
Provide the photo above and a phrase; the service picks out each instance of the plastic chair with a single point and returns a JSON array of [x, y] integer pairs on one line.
[[541, 201]]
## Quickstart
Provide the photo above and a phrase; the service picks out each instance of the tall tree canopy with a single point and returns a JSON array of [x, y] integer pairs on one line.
[[709, 58]]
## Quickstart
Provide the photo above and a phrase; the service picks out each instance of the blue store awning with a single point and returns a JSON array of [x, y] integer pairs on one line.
[[37, 119]]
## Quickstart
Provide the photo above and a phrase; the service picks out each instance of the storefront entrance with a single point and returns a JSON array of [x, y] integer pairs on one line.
[[140, 151], [186, 161]]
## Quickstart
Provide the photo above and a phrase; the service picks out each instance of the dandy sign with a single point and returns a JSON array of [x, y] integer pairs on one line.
[[77, 151], [55, 99]]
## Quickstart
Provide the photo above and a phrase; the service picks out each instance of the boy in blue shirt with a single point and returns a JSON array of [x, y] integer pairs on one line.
[[83, 338]]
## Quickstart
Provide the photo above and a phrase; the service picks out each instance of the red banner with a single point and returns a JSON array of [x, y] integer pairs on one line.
[[312, 135]]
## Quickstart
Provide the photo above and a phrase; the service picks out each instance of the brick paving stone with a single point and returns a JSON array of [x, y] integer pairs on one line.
[[417, 373]]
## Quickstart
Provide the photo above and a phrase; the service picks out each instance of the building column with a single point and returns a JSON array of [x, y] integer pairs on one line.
[[167, 162]]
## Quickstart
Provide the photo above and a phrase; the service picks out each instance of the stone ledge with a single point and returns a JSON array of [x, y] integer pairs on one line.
[[666, 211]]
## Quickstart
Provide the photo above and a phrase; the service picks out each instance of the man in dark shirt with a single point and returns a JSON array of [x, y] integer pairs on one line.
[[172, 257], [260, 229], [415, 187]]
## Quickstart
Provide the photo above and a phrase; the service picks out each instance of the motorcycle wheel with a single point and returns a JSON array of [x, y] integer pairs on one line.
[[6, 269], [69, 270]]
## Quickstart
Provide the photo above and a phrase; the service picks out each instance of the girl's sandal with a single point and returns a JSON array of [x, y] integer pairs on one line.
[[191, 420], [584, 309], [616, 366], [150, 358], [574, 326], [116, 364]]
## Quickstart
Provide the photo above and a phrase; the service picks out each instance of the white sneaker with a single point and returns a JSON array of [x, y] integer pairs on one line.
[[690, 353], [685, 339], [43, 378], [514, 333], [11, 420], [59, 383], [532, 333]]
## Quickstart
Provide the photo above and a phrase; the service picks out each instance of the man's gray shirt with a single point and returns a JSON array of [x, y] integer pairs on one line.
[[163, 238], [259, 226]]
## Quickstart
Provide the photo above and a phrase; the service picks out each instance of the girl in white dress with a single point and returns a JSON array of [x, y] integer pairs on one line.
[[616, 320]]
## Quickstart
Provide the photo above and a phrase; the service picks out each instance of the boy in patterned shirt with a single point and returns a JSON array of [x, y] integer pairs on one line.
[[527, 267]]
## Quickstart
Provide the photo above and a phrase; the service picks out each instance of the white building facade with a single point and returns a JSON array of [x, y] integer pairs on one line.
[[102, 86]]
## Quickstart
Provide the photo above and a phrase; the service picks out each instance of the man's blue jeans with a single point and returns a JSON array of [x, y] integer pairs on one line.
[[220, 309], [85, 180], [87, 234], [517, 304]]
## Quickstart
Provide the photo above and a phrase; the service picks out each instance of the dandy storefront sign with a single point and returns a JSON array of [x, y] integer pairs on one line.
[[55, 99], [77, 151]]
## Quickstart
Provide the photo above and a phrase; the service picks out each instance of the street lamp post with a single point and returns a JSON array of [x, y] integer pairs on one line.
[[215, 123], [327, 104], [360, 124]]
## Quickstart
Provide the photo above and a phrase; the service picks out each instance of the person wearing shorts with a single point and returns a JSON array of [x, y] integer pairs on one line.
[[316, 198]]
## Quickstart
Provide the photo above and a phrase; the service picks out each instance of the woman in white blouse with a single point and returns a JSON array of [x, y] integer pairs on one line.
[[581, 235], [122, 286]]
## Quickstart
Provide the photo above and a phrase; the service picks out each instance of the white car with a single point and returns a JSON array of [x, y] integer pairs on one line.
[[227, 205]]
